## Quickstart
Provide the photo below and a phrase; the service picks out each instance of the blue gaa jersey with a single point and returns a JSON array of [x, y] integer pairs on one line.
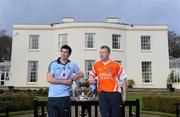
[[61, 71]]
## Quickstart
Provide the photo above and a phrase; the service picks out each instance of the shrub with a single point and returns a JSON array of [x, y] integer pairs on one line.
[[16, 90], [171, 77], [35, 91], [19, 102], [40, 91], [130, 83], [44, 92], [29, 90], [160, 103], [1, 91], [10, 88]]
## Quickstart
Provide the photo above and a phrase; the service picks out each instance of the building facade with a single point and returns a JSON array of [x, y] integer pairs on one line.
[[141, 49]]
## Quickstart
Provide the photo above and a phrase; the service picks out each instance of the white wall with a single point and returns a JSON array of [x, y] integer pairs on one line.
[[76, 39], [158, 56], [21, 55]]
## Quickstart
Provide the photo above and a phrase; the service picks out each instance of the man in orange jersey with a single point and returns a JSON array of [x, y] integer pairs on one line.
[[111, 84]]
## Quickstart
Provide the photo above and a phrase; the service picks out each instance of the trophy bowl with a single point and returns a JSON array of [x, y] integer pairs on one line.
[[83, 92]]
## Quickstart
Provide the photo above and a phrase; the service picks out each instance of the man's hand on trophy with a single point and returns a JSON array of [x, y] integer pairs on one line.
[[74, 77]]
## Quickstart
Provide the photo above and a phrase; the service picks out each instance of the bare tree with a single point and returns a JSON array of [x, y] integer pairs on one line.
[[174, 44], [5, 46]]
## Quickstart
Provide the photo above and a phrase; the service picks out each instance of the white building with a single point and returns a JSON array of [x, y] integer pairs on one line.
[[141, 49]]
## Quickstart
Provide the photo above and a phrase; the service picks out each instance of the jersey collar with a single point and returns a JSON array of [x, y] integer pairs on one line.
[[59, 62], [105, 63]]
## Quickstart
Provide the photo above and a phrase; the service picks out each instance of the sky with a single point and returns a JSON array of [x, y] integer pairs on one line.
[[149, 12]]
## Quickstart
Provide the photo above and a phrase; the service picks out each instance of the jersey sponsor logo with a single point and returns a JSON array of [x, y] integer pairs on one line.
[[64, 75], [105, 76], [99, 69]]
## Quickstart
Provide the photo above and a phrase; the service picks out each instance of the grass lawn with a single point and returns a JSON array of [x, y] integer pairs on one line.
[[159, 113], [134, 97]]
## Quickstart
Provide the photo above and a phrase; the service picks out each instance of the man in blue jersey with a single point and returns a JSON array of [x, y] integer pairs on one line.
[[61, 73]]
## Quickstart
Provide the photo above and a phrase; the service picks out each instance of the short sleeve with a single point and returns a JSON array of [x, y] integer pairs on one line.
[[76, 68], [51, 68], [123, 75]]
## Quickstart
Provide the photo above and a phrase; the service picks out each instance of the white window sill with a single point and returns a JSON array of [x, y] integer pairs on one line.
[[33, 50], [117, 50], [146, 51], [31, 83], [147, 84], [91, 49]]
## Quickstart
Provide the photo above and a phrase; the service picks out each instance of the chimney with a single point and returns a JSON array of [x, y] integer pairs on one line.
[[112, 20], [68, 19]]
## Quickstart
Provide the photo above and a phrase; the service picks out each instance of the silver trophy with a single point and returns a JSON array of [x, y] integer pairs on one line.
[[85, 91]]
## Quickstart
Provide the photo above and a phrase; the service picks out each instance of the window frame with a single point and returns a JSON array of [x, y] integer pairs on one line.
[[87, 40], [31, 63], [34, 42], [118, 42], [146, 69], [87, 61], [146, 43], [61, 42]]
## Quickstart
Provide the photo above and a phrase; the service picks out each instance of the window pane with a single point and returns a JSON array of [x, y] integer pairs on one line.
[[2, 76], [88, 67], [145, 43], [90, 40], [34, 42], [116, 41], [146, 72], [7, 74], [2, 82], [62, 40], [32, 71]]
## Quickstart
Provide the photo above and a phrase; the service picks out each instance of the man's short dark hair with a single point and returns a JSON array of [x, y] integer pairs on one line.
[[68, 48], [106, 47]]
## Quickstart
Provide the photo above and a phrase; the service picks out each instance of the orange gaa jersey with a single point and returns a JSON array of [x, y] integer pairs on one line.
[[109, 75]]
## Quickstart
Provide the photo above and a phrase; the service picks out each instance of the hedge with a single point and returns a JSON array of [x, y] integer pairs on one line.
[[19, 102], [160, 103]]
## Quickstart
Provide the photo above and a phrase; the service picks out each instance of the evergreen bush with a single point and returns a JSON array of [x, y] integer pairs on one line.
[[19, 102], [160, 103]]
